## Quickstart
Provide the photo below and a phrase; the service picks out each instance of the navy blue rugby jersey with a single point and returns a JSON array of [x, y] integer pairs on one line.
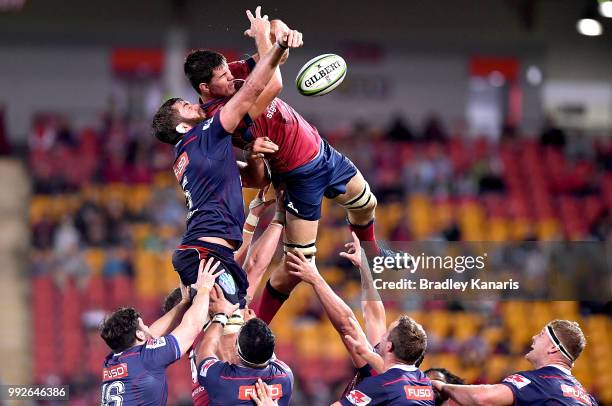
[[206, 169], [230, 384], [549, 385], [399, 385], [137, 376]]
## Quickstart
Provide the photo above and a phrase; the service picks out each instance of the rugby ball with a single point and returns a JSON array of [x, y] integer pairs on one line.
[[321, 75]]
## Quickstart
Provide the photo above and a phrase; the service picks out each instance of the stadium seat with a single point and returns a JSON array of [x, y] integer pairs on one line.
[[95, 258], [498, 366], [147, 273], [120, 289], [70, 331]]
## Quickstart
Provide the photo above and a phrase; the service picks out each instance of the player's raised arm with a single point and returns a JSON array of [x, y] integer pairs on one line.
[[337, 310], [169, 321], [221, 309], [194, 318], [371, 304], [256, 208], [476, 395], [260, 31], [359, 347], [262, 251], [241, 102], [264, 41]]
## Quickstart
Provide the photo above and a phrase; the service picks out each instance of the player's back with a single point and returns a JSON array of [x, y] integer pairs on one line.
[[230, 384], [137, 376], [206, 170], [399, 385], [298, 141], [549, 385]]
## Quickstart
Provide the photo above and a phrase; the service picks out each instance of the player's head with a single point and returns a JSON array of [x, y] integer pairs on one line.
[[255, 344], [559, 341], [124, 329], [208, 73], [175, 298], [172, 300], [174, 118], [443, 375], [405, 341]]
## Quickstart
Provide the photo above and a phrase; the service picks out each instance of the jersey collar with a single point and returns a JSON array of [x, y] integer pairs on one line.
[[206, 105], [404, 367], [559, 367], [178, 144]]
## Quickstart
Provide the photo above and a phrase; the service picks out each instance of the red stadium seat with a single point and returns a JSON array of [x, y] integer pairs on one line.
[[120, 291], [96, 296]]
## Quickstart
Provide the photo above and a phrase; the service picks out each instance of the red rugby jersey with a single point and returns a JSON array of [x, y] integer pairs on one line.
[[298, 141]]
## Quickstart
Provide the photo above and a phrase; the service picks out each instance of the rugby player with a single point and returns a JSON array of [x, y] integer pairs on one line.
[[233, 383], [392, 377], [307, 166], [206, 169], [135, 371], [259, 256], [553, 353], [255, 258]]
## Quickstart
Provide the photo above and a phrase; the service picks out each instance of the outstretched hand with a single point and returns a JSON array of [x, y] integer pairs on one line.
[[259, 25], [302, 268], [260, 147], [290, 38], [206, 274], [354, 253], [219, 304]]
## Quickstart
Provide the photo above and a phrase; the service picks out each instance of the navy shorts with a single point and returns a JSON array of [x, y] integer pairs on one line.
[[326, 175], [186, 260]]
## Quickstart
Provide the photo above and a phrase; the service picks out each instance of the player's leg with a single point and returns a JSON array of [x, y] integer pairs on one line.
[[300, 235], [360, 204], [348, 188]]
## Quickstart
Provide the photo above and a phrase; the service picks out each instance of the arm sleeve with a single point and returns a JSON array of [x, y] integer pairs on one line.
[[160, 352], [209, 372], [522, 388], [367, 392], [241, 69]]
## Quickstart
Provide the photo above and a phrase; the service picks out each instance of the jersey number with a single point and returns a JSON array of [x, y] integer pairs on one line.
[[111, 393]]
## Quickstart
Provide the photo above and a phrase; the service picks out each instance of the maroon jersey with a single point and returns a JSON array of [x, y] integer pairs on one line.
[[298, 141], [198, 393]]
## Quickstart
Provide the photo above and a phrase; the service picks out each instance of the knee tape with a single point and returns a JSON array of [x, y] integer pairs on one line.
[[364, 199], [308, 249]]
